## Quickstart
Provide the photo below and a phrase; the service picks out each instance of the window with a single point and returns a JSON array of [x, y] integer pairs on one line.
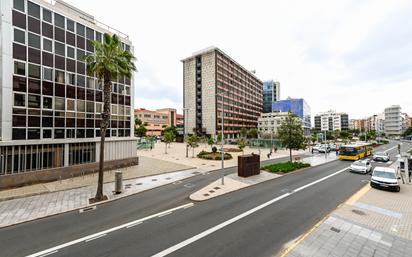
[[33, 134], [34, 40], [19, 68], [71, 78], [90, 82], [18, 134], [70, 52], [34, 10], [71, 104], [47, 15], [90, 33], [70, 25], [98, 107], [34, 71], [80, 29], [90, 106], [47, 74], [47, 102], [59, 48], [19, 100], [80, 55], [59, 20], [80, 106], [18, 5], [34, 86], [80, 81], [47, 133], [19, 36], [59, 133], [33, 101], [59, 76], [59, 103], [47, 45]]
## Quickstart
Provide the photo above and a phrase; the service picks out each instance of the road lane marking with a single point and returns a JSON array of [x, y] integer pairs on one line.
[[107, 231], [390, 149], [135, 224], [238, 217], [164, 214], [48, 253], [94, 238]]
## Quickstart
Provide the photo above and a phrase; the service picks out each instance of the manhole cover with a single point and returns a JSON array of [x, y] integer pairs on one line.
[[335, 229], [190, 185], [359, 212]]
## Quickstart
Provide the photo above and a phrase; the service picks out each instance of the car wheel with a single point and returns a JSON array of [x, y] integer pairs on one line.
[[398, 189]]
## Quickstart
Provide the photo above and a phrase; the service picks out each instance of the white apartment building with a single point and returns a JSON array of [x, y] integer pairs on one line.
[[393, 121], [268, 123], [50, 106], [331, 121]]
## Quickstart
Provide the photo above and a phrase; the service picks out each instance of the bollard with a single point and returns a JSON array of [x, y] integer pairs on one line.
[[118, 183]]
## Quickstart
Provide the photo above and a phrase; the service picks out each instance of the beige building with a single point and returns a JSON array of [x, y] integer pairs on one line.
[[269, 123], [156, 120]]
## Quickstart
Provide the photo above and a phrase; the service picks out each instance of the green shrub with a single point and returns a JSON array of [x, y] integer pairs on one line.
[[213, 156], [214, 149], [285, 167]]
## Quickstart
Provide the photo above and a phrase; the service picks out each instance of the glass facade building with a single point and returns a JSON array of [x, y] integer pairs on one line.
[[271, 93], [296, 106]]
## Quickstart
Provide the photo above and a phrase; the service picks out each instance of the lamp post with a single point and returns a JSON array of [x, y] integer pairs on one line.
[[222, 135], [186, 116]]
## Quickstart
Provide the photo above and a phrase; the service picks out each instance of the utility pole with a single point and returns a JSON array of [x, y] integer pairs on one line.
[[186, 118]]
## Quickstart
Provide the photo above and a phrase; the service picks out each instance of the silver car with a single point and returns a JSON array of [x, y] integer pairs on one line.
[[361, 166], [381, 156]]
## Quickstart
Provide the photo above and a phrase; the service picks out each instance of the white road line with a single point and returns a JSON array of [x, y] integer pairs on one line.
[[390, 149], [163, 214], [135, 224], [107, 231], [94, 238], [48, 253], [238, 217]]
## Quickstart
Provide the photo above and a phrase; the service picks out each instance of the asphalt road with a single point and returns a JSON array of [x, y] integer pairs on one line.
[[262, 232]]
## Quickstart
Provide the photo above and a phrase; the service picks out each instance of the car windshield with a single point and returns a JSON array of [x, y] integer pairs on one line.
[[384, 174], [362, 164], [351, 151]]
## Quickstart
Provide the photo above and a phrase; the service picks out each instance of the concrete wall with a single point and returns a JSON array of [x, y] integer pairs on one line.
[[15, 180], [189, 94], [209, 92]]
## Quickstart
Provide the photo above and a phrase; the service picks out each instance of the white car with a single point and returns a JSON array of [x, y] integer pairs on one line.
[[361, 166], [381, 156], [385, 178]]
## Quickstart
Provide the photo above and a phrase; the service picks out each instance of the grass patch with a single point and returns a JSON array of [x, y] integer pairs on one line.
[[213, 156], [285, 167]]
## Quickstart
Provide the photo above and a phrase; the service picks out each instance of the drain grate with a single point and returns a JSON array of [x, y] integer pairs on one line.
[[211, 191], [359, 212], [216, 188], [335, 229], [138, 184], [205, 194]]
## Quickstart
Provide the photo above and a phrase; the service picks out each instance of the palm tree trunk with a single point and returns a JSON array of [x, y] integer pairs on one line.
[[103, 127]]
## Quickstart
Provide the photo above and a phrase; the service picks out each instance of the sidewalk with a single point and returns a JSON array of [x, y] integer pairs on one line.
[[371, 223]]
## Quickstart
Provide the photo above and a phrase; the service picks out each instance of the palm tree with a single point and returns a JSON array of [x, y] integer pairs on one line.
[[108, 63]]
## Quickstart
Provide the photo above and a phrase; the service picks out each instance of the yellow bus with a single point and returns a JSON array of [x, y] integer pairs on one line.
[[355, 152]]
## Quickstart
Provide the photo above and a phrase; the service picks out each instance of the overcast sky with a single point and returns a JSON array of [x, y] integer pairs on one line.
[[348, 56]]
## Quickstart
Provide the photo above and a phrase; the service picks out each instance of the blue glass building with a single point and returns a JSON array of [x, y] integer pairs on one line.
[[271, 93], [296, 106]]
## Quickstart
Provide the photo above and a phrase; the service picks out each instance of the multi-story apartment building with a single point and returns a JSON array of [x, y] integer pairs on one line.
[[331, 121], [405, 121], [393, 121], [297, 106], [271, 93], [269, 123], [213, 81], [156, 120], [359, 124], [50, 105]]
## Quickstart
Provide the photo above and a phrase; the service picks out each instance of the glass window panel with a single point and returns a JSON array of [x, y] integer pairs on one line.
[[90, 82], [19, 36], [90, 106], [70, 52], [47, 45], [59, 48], [34, 86], [98, 36], [34, 71], [47, 30], [47, 15], [90, 33], [34, 10], [47, 133], [18, 5], [98, 107], [19, 100], [70, 25], [18, 134], [34, 40], [19, 68], [59, 103], [71, 78], [80, 29], [59, 76], [33, 101], [71, 104], [59, 20], [80, 55], [47, 74], [19, 52], [80, 105], [47, 102], [81, 81]]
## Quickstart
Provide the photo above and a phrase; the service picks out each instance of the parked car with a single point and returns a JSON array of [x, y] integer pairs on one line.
[[361, 166], [333, 147], [385, 178], [316, 147], [324, 149], [381, 156]]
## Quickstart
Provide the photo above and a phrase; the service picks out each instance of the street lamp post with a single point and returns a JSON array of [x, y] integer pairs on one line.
[[222, 135], [186, 116]]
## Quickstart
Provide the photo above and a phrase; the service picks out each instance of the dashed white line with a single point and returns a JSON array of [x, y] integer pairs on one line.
[[164, 214], [49, 253], [94, 238], [135, 224]]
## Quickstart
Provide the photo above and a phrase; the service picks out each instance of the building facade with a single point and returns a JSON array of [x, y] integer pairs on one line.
[[331, 121], [358, 124], [212, 82], [155, 121], [393, 121], [50, 106], [269, 123], [271, 93], [297, 106]]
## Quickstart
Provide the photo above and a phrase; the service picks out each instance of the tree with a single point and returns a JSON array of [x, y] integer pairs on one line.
[[242, 143], [211, 142], [243, 132], [252, 133], [407, 132], [108, 63], [344, 134], [192, 141], [138, 122], [291, 134], [140, 131], [219, 138], [168, 138], [171, 129]]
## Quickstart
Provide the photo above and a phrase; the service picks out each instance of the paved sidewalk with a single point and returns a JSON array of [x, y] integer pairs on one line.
[[371, 223], [147, 167], [29, 208]]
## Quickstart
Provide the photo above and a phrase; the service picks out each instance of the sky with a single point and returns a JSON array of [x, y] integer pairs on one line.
[[348, 56]]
